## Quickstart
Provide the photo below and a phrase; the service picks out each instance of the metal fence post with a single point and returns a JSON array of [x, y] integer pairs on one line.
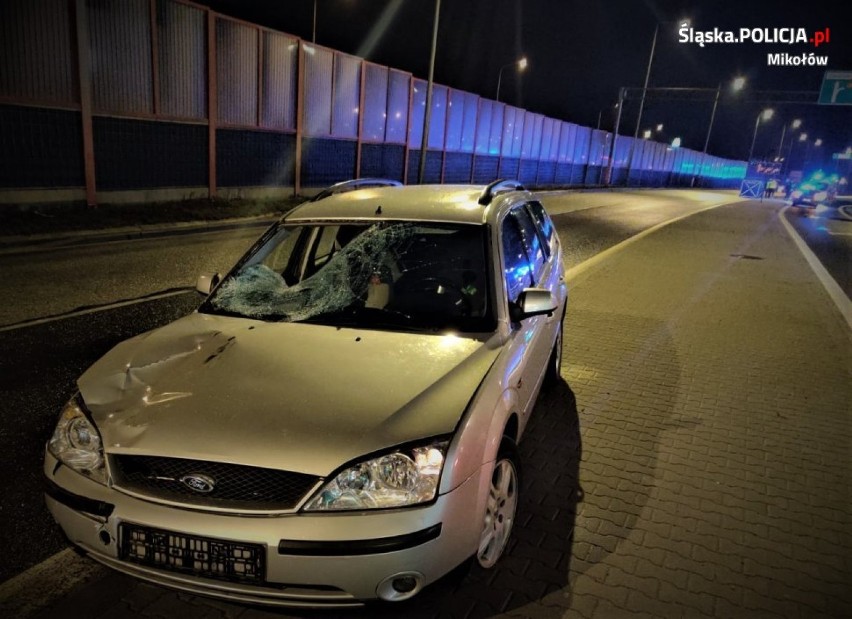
[[84, 75]]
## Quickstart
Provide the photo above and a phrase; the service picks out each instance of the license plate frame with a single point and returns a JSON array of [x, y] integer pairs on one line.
[[193, 555]]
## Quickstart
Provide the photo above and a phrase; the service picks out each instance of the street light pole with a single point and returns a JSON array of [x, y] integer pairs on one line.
[[620, 106], [738, 84], [427, 116], [786, 167], [314, 35], [767, 113], [647, 77], [522, 64], [712, 117], [797, 122], [781, 141]]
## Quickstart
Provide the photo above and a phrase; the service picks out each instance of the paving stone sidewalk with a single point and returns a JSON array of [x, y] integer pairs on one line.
[[695, 463], [712, 376]]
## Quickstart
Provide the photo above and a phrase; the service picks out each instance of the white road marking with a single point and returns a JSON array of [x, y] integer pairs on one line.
[[575, 271], [831, 286], [91, 310]]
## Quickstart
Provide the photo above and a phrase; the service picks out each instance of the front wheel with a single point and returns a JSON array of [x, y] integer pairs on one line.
[[500, 506]]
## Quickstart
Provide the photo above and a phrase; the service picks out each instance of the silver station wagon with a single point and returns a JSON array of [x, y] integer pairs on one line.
[[338, 421]]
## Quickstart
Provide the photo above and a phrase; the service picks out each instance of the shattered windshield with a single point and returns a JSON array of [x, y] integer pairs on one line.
[[389, 274]]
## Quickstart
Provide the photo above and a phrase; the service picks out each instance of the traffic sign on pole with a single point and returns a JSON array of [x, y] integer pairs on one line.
[[836, 88]]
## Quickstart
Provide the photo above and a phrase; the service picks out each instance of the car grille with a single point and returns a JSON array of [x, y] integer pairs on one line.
[[234, 486]]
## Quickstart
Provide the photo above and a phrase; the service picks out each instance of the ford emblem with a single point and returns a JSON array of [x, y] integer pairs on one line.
[[198, 482]]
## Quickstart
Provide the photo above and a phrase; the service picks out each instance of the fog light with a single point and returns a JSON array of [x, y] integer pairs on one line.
[[404, 584], [400, 586]]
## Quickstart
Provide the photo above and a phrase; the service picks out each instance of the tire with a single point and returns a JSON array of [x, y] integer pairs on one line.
[[553, 372], [501, 506]]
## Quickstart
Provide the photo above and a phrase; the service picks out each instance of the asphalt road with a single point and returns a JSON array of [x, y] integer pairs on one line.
[[829, 236], [39, 363], [52, 281]]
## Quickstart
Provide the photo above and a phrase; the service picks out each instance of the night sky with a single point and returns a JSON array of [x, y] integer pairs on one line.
[[581, 52]]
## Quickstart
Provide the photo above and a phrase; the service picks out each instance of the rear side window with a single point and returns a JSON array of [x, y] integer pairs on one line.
[[543, 223], [532, 241], [516, 263]]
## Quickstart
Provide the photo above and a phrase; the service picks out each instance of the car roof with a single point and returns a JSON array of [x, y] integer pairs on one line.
[[446, 203]]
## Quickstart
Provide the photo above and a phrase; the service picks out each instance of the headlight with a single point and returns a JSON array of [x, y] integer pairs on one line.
[[796, 194], [76, 442], [819, 196], [403, 477]]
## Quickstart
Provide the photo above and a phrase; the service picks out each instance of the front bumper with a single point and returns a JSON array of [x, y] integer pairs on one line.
[[311, 559]]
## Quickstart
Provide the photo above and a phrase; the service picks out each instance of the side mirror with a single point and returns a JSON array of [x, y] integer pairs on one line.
[[532, 302], [206, 282]]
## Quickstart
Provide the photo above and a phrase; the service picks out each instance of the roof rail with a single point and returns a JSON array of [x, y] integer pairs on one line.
[[499, 186], [352, 185]]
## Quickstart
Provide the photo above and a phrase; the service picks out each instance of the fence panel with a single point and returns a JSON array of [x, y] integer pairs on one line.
[[455, 120], [483, 128], [121, 83], [496, 139], [418, 110], [182, 60], [512, 117], [397, 121], [35, 41], [468, 137], [438, 119], [236, 73], [548, 136], [347, 96], [538, 128], [319, 75], [375, 103], [280, 64]]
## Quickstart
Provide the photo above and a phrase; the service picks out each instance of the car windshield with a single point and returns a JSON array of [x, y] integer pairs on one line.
[[386, 275]]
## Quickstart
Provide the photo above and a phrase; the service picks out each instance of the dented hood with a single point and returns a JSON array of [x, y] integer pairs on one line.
[[298, 397]]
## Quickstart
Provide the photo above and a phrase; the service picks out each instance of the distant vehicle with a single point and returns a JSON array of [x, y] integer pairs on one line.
[[337, 422], [810, 194]]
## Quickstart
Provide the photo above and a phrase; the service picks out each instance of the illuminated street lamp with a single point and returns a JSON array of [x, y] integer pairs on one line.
[[600, 114], [683, 23], [817, 144], [649, 132], [793, 125], [737, 84], [521, 64], [765, 115]]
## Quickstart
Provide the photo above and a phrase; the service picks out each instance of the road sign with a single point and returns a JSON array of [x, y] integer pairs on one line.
[[836, 88], [762, 169], [751, 189]]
